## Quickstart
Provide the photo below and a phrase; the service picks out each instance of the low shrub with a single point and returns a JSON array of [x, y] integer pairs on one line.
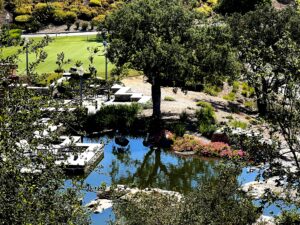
[[249, 104], [204, 9], [184, 116], [15, 34], [98, 20], [57, 5], [114, 117], [87, 13], [206, 119], [179, 129], [211, 149], [247, 91], [169, 99], [47, 79], [230, 96], [258, 151], [25, 9], [235, 86], [207, 129], [212, 90], [94, 3], [147, 105], [23, 18], [204, 104], [62, 17], [238, 124], [43, 12]]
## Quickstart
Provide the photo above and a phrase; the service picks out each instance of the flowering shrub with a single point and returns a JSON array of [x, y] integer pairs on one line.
[[212, 149]]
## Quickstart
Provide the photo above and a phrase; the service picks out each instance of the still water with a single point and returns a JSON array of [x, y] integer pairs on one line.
[[143, 167]]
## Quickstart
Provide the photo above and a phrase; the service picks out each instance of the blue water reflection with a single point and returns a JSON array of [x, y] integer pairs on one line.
[[143, 167]]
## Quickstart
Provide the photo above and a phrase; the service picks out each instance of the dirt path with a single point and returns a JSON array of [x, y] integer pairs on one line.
[[183, 102]]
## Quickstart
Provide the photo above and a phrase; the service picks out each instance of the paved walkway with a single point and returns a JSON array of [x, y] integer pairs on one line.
[[67, 34]]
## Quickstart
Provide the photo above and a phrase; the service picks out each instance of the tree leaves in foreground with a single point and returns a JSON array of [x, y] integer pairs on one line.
[[32, 185], [216, 201]]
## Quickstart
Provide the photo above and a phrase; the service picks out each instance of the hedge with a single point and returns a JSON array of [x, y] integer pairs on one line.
[[94, 3], [23, 18], [25, 9], [98, 19], [15, 34], [61, 17]]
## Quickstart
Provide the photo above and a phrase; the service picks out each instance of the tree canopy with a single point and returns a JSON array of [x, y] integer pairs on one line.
[[268, 43], [168, 42]]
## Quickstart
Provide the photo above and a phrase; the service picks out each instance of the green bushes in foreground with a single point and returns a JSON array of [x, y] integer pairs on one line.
[[219, 200], [114, 117], [206, 118]]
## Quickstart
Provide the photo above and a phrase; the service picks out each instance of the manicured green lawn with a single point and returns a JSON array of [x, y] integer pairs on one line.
[[75, 48]]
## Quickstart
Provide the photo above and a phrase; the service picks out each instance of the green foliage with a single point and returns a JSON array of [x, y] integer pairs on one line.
[[147, 105], [230, 96], [235, 86], [87, 13], [206, 6], [212, 90], [23, 18], [98, 20], [57, 5], [179, 129], [61, 61], [62, 17], [238, 124], [169, 98], [48, 78], [25, 9], [212, 202], [263, 50], [95, 3], [204, 104], [113, 116], [247, 91], [32, 184], [206, 119], [249, 104], [141, 38], [159, 38], [288, 218], [15, 35]]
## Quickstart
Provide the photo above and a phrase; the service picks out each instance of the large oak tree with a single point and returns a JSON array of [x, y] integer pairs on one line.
[[169, 43]]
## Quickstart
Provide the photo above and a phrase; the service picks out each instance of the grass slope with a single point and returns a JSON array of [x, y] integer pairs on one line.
[[75, 48]]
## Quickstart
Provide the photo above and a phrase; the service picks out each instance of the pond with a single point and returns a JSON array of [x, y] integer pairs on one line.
[[145, 167]]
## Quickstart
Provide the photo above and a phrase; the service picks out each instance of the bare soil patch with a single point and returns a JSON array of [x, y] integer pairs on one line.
[[184, 101]]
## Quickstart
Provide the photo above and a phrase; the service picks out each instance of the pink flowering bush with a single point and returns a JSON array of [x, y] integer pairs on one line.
[[212, 149], [187, 143]]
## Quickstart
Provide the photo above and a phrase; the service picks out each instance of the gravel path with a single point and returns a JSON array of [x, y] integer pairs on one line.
[[183, 102]]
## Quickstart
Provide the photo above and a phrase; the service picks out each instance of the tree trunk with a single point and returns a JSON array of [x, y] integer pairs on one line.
[[156, 96], [262, 99]]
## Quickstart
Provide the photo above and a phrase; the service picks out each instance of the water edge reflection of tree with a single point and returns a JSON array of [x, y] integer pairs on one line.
[[153, 171], [217, 201]]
